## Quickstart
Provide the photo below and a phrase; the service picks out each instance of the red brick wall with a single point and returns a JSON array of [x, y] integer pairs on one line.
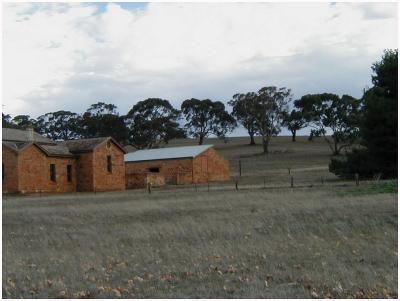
[[136, 180], [61, 184], [175, 171], [140, 180], [210, 166], [104, 180], [10, 161], [34, 172], [85, 172]]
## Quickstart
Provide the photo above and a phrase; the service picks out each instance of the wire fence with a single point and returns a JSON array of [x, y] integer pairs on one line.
[[282, 179], [291, 180]]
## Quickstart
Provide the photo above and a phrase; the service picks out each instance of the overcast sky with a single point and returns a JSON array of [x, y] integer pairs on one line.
[[68, 56]]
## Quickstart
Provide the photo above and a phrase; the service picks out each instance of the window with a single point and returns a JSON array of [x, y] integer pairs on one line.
[[69, 173], [109, 164], [53, 172], [154, 169]]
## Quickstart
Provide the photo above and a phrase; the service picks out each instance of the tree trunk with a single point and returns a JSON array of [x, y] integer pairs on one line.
[[201, 139], [335, 149], [294, 136], [252, 141], [265, 145]]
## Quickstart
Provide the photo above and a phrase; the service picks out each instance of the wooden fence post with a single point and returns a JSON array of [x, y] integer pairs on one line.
[[149, 188], [240, 168], [288, 170], [291, 182], [357, 179], [236, 185]]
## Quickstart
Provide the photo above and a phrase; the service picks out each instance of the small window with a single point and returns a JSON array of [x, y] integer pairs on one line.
[[154, 169], [109, 164], [53, 172], [69, 173]]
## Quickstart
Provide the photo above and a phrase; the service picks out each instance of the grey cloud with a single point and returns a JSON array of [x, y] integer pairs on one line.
[[375, 11], [319, 71]]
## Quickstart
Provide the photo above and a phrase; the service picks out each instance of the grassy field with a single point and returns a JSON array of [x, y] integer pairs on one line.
[[324, 241]]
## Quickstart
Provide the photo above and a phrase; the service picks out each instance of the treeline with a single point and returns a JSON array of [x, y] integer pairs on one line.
[[154, 120], [356, 130]]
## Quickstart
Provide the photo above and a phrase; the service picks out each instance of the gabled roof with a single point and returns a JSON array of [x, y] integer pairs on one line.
[[55, 150], [130, 148], [15, 146], [49, 150], [166, 153], [23, 136], [87, 145]]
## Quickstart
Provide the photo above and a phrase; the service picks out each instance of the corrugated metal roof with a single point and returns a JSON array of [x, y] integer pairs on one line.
[[166, 153]]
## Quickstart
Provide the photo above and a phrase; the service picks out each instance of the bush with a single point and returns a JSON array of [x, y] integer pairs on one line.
[[357, 161]]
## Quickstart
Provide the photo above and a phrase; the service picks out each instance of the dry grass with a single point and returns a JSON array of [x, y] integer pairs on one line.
[[303, 242], [275, 243]]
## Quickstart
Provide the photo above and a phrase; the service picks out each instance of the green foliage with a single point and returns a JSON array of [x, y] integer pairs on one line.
[[269, 112], [151, 122], [377, 188], [23, 121], [327, 111], [18, 122], [294, 121], [60, 125], [102, 120], [386, 73], [102, 108], [378, 127], [206, 117], [357, 161], [313, 134], [243, 109], [6, 120], [379, 130]]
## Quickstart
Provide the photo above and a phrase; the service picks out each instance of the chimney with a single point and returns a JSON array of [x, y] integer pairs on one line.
[[29, 131]]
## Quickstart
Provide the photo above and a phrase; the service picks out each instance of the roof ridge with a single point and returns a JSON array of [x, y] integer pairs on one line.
[[189, 151], [182, 146]]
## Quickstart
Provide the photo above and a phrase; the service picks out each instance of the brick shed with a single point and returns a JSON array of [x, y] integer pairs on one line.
[[175, 165], [33, 163]]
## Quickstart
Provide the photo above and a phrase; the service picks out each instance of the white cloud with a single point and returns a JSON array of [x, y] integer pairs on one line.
[[65, 56]]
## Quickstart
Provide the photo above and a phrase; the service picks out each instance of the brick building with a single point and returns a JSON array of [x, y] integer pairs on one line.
[[33, 163], [175, 165]]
